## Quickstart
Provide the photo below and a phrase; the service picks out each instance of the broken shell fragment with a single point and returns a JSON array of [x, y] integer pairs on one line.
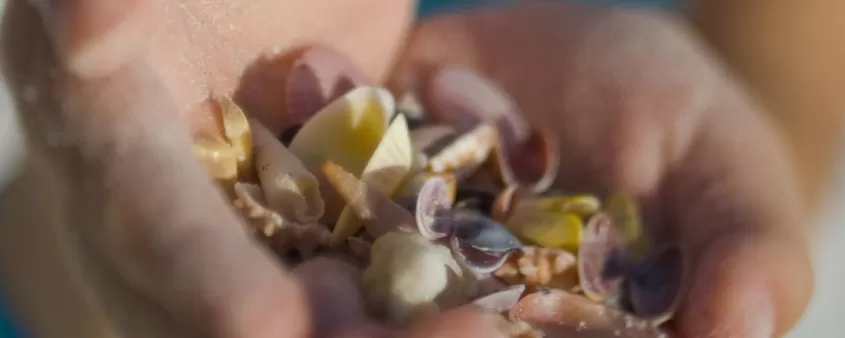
[[654, 287], [378, 212], [237, 130], [466, 153], [601, 242], [346, 132], [547, 229], [384, 173], [288, 186], [538, 266], [556, 312], [218, 159], [305, 238], [411, 277]]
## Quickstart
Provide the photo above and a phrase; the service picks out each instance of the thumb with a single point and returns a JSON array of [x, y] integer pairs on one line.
[[135, 193]]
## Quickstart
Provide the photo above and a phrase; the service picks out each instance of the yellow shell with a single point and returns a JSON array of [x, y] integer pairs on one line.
[[346, 132], [217, 158], [625, 213], [547, 229], [237, 131], [384, 173], [582, 205]]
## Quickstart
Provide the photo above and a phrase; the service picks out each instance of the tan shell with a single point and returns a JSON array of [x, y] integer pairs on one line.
[[303, 237], [346, 132], [466, 153], [384, 173], [537, 266], [217, 158], [410, 277], [378, 212], [237, 131], [288, 186]]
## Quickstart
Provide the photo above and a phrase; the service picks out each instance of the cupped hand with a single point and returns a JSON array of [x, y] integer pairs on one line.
[[110, 93], [641, 107]]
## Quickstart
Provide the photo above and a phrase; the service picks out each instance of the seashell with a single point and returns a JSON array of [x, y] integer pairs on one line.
[[600, 241], [409, 106], [581, 205], [654, 287], [433, 138], [410, 277], [305, 238], [346, 132], [237, 131], [480, 244], [432, 208], [560, 314], [378, 212], [384, 173], [537, 266], [538, 159], [625, 213], [503, 205], [217, 158], [501, 301], [466, 153], [478, 198], [547, 229], [414, 184], [288, 186]]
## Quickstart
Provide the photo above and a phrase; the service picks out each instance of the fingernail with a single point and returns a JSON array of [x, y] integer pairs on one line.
[[463, 98], [95, 37]]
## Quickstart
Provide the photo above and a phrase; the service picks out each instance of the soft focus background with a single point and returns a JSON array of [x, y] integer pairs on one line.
[[823, 319]]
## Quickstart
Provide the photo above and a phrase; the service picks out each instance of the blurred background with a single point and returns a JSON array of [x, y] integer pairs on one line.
[[823, 319]]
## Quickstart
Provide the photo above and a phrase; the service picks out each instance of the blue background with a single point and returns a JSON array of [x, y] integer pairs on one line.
[[427, 7]]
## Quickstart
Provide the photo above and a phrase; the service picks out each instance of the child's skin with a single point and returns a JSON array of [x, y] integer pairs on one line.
[[113, 206]]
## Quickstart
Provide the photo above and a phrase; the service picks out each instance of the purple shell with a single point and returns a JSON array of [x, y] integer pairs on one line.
[[654, 287], [432, 209], [600, 244]]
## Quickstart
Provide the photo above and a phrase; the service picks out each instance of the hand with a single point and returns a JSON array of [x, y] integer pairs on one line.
[[642, 107], [110, 93]]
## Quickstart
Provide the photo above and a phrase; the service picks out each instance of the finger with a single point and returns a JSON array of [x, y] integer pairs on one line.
[[319, 76], [467, 321], [335, 294], [141, 199], [744, 229], [95, 37]]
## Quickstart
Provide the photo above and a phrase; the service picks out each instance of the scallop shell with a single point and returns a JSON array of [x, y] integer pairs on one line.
[[384, 173], [378, 212], [654, 287], [547, 229], [560, 314], [346, 132], [599, 243], [288, 186], [534, 164], [466, 153], [303, 237], [217, 158], [237, 131]]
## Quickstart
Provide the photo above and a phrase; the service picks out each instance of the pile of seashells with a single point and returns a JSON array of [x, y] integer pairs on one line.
[[440, 217]]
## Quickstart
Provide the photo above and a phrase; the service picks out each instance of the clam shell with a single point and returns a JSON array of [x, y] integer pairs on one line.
[[599, 242], [483, 233], [288, 186], [346, 132], [534, 165], [560, 314], [305, 238], [654, 287], [431, 209], [378, 212], [237, 131], [217, 158], [547, 229], [384, 173], [466, 153]]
